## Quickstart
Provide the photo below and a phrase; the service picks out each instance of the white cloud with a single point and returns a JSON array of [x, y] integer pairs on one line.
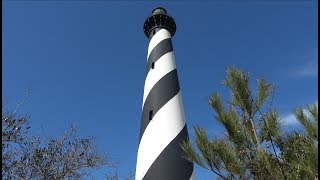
[[310, 69], [290, 120]]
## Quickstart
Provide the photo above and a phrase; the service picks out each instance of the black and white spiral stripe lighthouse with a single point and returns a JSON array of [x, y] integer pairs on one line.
[[163, 126]]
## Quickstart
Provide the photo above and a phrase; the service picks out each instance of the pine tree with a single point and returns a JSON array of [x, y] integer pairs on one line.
[[256, 146]]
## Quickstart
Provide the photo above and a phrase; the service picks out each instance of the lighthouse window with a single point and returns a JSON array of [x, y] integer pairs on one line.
[[150, 114], [152, 65]]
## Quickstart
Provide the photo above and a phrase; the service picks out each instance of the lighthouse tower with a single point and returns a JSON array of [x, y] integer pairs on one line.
[[163, 126]]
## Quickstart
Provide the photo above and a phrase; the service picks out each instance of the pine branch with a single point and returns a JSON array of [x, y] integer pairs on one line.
[[283, 173]]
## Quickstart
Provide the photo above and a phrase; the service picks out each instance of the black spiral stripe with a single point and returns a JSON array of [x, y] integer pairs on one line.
[[170, 163]]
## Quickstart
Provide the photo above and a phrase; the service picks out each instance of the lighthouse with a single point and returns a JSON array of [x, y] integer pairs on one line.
[[163, 126]]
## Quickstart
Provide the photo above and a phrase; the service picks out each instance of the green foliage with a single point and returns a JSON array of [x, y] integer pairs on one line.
[[270, 127], [255, 146], [309, 120]]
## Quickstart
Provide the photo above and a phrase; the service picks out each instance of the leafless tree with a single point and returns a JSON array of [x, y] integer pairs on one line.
[[31, 157]]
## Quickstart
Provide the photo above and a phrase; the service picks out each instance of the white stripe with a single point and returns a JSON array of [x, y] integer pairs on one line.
[[193, 176], [162, 129], [158, 37], [164, 65]]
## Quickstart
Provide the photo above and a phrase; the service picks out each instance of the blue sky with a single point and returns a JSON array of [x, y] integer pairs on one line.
[[83, 62]]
